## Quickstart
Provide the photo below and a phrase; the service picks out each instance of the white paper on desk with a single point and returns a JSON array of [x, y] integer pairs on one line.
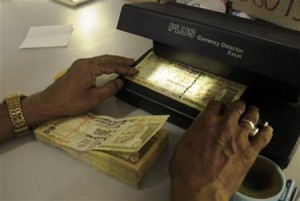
[[47, 36]]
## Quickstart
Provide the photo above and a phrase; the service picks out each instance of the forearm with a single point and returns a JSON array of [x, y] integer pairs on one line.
[[36, 109]]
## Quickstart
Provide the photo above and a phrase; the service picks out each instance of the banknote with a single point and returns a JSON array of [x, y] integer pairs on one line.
[[93, 132], [188, 85]]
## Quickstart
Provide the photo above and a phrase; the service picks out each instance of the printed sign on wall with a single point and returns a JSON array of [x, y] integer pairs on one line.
[[285, 13]]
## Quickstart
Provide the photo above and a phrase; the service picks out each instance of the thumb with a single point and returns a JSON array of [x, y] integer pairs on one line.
[[107, 90]]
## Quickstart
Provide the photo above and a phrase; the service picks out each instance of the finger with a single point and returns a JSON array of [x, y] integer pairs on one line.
[[113, 68], [214, 107], [119, 60], [249, 119], [235, 110], [107, 90], [262, 138]]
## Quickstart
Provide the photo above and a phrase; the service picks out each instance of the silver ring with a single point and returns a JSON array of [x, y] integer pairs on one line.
[[263, 122], [253, 132], [248, 122]]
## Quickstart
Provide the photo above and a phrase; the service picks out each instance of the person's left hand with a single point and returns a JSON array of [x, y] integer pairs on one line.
[[76, 92]]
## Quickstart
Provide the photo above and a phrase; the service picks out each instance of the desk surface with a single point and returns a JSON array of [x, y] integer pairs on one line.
[[30, 170]]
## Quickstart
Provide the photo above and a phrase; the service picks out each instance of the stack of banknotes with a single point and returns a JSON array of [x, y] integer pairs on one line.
[[123, 148]]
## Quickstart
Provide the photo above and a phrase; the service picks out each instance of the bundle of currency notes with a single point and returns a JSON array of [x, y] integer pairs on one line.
[[124, 148], [185, 84]]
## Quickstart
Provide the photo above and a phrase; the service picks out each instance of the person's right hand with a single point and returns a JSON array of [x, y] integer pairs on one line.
[[214, 155]]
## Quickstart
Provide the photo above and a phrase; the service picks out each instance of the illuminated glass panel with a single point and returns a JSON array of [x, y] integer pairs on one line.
[[185, 84]]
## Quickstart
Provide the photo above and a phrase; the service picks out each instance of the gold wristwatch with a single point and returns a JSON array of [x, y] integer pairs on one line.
[[17, 118]]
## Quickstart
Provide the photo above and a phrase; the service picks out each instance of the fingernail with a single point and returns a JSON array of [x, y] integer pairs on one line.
[[133, 70], [129, 62], [270, 128]]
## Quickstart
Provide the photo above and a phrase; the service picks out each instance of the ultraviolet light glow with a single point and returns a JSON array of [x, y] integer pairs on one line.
[[185, 84]]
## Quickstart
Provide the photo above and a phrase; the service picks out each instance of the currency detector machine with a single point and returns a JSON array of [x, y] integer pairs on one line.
[[262, 57]]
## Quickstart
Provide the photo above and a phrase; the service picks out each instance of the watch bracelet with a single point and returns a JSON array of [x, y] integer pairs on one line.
[[16, 115]]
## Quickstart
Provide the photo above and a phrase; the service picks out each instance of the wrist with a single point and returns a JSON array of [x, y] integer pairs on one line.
[[37, 109], [14, 108], [193, 190]]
